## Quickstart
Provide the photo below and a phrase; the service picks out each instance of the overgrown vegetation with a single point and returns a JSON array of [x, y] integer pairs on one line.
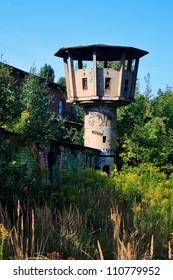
[[129, 215], [87, 215]]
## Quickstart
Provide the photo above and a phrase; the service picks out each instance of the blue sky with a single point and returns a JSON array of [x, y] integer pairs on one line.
[[32, 31]]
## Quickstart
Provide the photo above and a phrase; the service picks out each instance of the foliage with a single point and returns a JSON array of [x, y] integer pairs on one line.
[[36, 124], [10, 106], [37, 115], [78, 137], [162, 106], [71, 185], [111, 64], [3, 236], [62, 81], [89, 191], [123, 212], [131, 206], [47, 72], [145, 131], [148, 193]]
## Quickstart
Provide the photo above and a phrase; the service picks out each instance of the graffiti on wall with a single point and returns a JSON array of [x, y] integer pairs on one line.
[[47, 164], [99, 119], [100, 127]]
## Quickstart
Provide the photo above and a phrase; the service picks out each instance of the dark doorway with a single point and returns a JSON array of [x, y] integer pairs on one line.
[[106, 168]]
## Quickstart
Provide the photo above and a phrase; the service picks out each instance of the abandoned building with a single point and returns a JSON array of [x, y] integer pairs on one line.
[[59, 156]]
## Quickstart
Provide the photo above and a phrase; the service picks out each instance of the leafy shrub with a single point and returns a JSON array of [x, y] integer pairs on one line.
[[149, 194]]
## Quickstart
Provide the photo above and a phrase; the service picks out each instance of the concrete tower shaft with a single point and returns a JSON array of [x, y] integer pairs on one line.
[[100, 128]]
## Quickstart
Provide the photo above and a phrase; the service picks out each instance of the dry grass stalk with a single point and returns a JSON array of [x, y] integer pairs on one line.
[[26, 249], [70, 221], [18, 208], [21, 233], [129, 251], [127, 245], [33, 226], [170, 256], [32, 231], [45, 225], [100, 250], [14, 237], [17, 234], [116, 218], [152, 247], [122, 250]]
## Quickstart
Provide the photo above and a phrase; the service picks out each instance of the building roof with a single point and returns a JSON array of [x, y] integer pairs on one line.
[[23, 73], [103, 52], [75, 146]]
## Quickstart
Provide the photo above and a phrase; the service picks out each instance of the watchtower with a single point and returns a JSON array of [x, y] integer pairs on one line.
[[101, 78]]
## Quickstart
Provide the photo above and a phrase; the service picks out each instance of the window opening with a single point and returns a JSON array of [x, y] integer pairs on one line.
[[106, 168], [133, 65], [104, 139], [84, 84], [61, 109], [129, 65], [77, 111], [108, 83], [126, 65]]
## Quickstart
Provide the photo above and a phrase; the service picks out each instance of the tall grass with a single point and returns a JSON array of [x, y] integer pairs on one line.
[[30, 230], [91, 216], [40, 233]]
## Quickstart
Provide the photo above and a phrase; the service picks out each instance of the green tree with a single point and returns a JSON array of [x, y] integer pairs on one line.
[[38, 122], [148, 88], [10, 106], [145, 130], [129, 119], [10, 109], [47, 72], [163, 105], [110, 64], [62, 81]]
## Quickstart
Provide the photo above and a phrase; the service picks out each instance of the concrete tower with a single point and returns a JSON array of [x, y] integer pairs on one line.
[[100, 90]]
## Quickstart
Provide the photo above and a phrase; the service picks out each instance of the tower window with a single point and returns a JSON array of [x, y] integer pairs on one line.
[[104, 139], [108, 83], [84, 84]]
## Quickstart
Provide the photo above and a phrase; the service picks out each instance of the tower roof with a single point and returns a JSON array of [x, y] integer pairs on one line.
[[103, 52]]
